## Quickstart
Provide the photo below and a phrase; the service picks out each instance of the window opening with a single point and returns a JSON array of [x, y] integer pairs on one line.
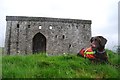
[[40, 27], [28, 26], [50, 27], [17, 25]]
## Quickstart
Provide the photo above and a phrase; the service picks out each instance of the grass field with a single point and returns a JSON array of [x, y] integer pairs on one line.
[[0, 62], [64, 66]]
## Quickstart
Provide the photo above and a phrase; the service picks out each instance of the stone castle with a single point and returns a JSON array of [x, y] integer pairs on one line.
[[29, 35]]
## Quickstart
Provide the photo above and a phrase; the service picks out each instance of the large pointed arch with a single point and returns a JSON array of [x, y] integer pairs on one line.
[[39, 43]]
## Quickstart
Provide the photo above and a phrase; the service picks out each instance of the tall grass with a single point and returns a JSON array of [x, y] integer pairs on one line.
[[64, 66]]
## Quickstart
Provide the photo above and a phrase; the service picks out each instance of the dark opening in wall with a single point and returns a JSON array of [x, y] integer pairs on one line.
[[63, 36], [28, 26], [39, 43], [69, 45], [18, 25], [77, 27], [17, 43], [69, 26], [84, 26], [56, 36]]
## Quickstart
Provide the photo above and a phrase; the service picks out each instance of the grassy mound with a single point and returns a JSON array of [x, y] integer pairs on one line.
[[64, 66]]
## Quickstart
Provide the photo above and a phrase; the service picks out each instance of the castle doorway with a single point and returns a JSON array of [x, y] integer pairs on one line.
[[39, 43]]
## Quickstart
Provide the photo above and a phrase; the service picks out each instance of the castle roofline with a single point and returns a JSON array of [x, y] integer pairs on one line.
[[48, 19]]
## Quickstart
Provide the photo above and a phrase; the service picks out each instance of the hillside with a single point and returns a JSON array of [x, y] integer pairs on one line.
[[64, 66]]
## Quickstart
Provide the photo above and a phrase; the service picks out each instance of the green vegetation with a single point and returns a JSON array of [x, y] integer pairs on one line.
[[64, 66], [0, 62], [0, 50]]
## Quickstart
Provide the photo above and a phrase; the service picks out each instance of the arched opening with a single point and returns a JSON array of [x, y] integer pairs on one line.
[[39, 43]]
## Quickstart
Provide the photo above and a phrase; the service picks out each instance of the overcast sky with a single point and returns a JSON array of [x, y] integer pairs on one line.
[[103, 13]]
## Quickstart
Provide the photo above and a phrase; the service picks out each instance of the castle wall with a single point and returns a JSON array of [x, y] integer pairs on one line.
[[62, 35]]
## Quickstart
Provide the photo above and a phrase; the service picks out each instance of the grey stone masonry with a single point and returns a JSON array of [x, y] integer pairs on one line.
[[30, 35]]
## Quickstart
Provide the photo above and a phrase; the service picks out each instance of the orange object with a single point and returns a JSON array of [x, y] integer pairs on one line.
[[87, 53]]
